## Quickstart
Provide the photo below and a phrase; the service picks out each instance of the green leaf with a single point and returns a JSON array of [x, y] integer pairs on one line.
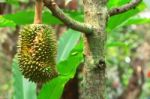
[[137, 20], [23, 89], [54, 88], [116, 3], [6, 23], [68, 67], [66, 43], [118, 20], [18, 80], [21, 18], [27, 16], [29, 89]]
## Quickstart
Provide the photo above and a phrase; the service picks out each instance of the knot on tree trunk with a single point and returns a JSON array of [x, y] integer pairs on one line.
[[101, 65]]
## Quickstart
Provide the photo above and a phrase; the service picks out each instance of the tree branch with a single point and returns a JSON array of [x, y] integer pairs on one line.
[[124, 8], [51, 5]]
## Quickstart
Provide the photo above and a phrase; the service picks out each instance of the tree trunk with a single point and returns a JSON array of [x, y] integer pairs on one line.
[[93, 84]]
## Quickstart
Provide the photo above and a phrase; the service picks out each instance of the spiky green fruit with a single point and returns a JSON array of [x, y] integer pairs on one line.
[[37, 49]]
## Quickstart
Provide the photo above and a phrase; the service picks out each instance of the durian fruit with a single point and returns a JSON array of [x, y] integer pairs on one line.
[[37, 49]]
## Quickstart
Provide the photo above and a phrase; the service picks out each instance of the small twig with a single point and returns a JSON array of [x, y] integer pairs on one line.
[[124, 8], [38, 12], [51, 5]]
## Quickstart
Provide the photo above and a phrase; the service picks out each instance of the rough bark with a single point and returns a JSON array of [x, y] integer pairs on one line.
[[93, 84]]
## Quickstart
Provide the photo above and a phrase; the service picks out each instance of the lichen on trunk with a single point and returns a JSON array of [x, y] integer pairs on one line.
[[93, 84]]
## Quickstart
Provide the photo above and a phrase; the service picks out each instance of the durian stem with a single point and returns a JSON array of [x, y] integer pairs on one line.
[[38, 12]]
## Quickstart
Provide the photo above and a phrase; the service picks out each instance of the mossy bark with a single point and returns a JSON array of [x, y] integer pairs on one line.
[[93, 84]]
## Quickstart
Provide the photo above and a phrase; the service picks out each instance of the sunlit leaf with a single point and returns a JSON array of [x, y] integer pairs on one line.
[[54, 88], [66, 43], [68, 67], [6, 23]]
